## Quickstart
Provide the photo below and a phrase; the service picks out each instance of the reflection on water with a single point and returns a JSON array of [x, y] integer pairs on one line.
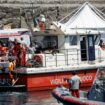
[[30, 98], [12, 98]]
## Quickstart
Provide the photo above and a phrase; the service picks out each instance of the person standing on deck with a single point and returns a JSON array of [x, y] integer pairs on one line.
[[75, 82], [11, 69], [17, 50], [1, 49], [4, 51], [101, 44], [23, 55]]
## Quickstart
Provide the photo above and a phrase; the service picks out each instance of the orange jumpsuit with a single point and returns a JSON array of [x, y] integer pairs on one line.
[[11, 68], [4, 50]]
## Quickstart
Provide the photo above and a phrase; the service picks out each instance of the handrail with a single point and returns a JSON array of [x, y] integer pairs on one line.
[[67, 57], [63, 57]]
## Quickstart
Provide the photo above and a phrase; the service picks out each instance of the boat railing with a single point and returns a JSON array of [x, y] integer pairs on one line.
[[62, 57], [65, 57]]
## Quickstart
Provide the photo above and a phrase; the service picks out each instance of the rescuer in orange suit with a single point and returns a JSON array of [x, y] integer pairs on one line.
[[3, 52], [1, 49], [11, 69], [17, 50], [23, 55]]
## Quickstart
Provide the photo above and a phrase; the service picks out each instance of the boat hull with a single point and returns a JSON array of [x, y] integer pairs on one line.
[[45, 81], [49, 80]]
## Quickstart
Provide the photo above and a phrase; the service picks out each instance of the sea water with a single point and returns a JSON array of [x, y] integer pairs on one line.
[[27, 98]]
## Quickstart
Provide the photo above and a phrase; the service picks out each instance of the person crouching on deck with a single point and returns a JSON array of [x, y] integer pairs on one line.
[[75, 82], [11, 69]]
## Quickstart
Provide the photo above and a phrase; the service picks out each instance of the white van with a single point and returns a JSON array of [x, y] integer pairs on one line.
[[11, 34]]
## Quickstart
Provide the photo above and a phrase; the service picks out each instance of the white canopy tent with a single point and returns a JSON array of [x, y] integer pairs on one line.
[[87, 19], [69, 31]]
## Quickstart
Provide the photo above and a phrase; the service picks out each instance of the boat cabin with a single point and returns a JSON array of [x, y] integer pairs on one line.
[[75, 46], [76, 40], [85, 41], [11, 34]]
